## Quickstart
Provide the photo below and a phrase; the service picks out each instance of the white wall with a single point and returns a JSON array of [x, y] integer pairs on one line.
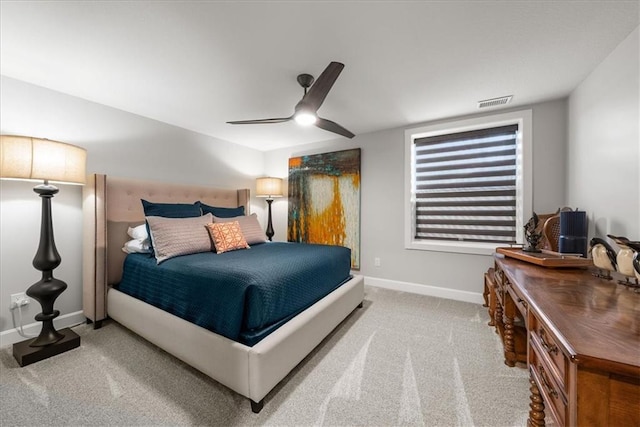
[[118, 144], [382, 193], [604, 144]]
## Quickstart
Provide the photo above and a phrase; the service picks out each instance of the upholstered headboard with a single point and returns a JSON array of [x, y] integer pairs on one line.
[[110, 206]]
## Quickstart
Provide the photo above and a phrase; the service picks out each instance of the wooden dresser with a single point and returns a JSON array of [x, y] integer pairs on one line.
[[579, 336]]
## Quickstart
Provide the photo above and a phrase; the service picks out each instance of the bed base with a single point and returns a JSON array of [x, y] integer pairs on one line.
[[250, 371], [96, 325], [256, 407]]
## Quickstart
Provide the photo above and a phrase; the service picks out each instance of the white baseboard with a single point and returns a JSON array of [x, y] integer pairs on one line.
[[432, 291], [12, 336]]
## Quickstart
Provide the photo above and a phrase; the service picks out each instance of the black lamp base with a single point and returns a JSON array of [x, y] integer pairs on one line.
[[50, 342], [270, 231], [26, 355]]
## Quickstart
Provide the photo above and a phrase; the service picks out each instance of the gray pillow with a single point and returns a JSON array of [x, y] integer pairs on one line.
[[172, 237], [250, 227]]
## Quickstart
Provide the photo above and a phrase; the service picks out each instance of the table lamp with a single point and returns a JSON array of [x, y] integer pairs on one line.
[[269, 187], [27, 158]]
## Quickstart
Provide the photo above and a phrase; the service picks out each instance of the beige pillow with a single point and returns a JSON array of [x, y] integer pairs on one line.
[[172, 237], [227, 236], [251, 229]]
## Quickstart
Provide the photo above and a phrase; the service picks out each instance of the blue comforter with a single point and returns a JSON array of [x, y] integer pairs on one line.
[[243, 295]]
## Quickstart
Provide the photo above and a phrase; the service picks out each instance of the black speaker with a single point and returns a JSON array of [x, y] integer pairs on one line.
[[573, 232]]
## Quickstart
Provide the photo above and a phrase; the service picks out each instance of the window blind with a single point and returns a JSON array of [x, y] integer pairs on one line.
[[465, 186]]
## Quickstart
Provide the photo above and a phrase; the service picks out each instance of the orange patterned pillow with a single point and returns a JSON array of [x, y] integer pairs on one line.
[[227, 236]]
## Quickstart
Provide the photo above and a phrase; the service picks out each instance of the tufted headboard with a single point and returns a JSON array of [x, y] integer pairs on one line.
[[111, 205]]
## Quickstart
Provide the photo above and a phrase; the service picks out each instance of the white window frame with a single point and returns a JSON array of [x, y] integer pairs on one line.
[[524, 178]]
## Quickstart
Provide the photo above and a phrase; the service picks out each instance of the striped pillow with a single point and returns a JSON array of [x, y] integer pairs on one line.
[[227, 236], [251, 229], [172, 237]]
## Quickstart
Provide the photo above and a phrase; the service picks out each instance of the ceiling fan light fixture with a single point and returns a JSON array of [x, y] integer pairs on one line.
[[305, 118], [305, 111]]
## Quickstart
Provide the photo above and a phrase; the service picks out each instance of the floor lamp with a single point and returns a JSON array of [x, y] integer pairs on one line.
[[269, 187], [29, 158]]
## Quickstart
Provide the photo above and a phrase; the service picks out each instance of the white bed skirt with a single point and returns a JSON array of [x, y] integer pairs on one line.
[[250, 371]]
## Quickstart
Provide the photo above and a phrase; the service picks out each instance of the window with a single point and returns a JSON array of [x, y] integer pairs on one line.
[[467, 184]]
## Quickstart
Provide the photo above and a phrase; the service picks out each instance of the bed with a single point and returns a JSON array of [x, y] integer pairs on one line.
[[111, 205]]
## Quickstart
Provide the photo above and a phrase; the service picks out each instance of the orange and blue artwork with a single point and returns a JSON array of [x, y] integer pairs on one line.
[[324, 200]]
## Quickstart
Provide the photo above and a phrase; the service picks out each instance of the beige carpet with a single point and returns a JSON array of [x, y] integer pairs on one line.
[[403, 359]]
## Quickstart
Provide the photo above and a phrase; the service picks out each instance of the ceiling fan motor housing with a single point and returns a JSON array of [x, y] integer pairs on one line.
[[305, 80]]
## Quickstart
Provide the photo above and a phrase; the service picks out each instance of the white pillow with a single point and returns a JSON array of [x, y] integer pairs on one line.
[[172, 237], [139, 232], [137, 246], [251, 229]]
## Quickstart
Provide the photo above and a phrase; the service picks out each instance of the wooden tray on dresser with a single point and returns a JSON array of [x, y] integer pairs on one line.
[[546, 259]]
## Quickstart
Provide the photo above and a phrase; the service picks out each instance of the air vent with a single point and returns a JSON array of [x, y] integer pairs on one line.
[[494, 102]]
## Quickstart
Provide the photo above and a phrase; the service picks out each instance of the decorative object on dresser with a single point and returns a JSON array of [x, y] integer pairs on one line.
[[269, 187], [573, 232], [532, 234], [546, 258], [624, 259], [604, 258], [549, 226], [28, 158], [579, 337], [551, 232]]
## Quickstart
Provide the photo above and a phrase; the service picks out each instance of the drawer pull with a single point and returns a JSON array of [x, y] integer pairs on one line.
[[543, 376], [548, 348]]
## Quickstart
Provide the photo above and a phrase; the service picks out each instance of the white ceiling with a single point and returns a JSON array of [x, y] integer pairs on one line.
[[199, 64]]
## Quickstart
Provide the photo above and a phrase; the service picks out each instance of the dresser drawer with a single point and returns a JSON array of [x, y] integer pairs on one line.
[[546, 344], [555, 401], [498, 276], [519, 302]]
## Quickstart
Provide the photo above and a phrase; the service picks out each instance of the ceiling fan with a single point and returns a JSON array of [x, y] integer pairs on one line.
[[305, 111]]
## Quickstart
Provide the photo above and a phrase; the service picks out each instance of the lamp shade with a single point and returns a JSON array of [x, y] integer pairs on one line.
[[269, 187], [23, 157]]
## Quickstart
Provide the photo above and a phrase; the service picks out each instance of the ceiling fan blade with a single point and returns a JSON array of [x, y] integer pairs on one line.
[[261, 121], [333, 127], [323, 84]]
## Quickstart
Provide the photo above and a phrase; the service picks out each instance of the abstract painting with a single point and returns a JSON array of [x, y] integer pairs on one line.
[[324, 200]]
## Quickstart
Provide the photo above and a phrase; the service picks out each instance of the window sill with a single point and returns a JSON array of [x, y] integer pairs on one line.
[[454, 247]]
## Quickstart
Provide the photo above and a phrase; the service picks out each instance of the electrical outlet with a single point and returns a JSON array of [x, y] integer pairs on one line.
[[376, 262], [19, 300]]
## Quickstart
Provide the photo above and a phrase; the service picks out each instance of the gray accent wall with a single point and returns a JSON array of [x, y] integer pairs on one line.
[[382, 201], [603, 168]]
